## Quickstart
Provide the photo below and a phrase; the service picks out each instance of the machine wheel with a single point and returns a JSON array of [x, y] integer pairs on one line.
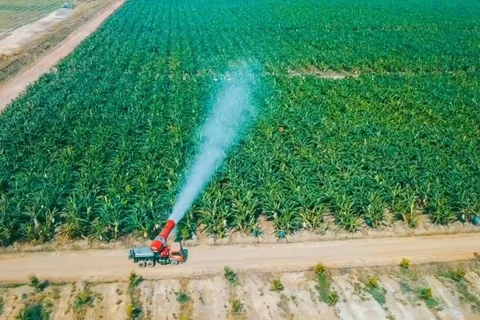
[[142, 264], [174, 262], [150, 263]]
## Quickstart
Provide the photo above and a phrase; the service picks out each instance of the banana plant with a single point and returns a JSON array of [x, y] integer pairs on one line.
[[120, 116]]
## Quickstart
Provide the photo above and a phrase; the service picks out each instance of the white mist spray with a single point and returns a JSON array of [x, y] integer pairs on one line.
[[232, 113]]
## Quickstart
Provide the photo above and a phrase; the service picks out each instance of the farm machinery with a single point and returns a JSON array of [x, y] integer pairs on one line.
[[159, 252]]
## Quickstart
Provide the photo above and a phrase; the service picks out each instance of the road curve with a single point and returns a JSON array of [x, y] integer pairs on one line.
[[110, 265]]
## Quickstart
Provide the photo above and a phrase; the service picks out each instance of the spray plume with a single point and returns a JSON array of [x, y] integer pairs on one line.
[[232, 113]]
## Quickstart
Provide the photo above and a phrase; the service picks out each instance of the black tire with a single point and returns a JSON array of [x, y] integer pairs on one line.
[[174, 262], [150, 263], [142, 264]]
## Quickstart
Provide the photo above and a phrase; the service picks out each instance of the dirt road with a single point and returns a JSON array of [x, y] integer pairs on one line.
[[16, 86], [21, 35], [110, 265]]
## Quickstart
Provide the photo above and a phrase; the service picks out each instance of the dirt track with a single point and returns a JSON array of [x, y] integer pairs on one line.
[[110, 265], [16, 86], [21, 35]]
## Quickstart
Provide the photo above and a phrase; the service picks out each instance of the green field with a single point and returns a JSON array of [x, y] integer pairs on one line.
[[16, 13], [100, 148]]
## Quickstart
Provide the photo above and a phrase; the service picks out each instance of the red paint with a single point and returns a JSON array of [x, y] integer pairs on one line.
[[165, 252], [160, 242], [168, 228]]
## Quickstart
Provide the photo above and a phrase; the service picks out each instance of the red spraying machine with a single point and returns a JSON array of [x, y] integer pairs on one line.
[[159, 251]]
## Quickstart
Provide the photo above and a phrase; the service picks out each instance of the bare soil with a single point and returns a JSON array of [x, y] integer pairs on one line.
[[211, 297], [113, 264]]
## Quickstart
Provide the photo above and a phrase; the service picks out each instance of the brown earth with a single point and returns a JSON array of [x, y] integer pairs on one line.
[[110, 265], [16, 86], [396, 295]]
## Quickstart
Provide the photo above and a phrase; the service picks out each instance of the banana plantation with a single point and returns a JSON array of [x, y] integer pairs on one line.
[[369, 108]]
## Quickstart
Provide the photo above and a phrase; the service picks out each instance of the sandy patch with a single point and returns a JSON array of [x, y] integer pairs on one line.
[[450, 309], [353, 306], [113, 303], [210, 296], [159, 299], [303, 298], [62, 306], [261, 303], [21, 35], [13, 301], [400, 305], [473, 279], [325, 311]]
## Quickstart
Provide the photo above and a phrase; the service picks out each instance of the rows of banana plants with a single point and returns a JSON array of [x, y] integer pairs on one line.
[[99, 147]]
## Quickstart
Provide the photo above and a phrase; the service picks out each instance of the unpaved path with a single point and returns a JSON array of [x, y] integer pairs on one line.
[[15, 87], [206, 260], [20, 35]]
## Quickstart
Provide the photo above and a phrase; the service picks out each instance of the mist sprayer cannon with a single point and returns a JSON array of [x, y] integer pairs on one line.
[[159, 252], [233, 112], [160, 241]]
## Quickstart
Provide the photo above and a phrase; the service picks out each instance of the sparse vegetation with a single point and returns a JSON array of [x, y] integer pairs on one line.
[[457, 275], [231, 276], [34, 311], [37, 284], [237, 306], [333, 298], [134, 308], [405, 263], [68, 5], [134, 280], [276, 285], [132, 311], [283, 305], [367, 284], [182, 297], [373, 282], [84, 299], [185, 300], [375, 290], [426, 295], [319, 269], [2, 304], [55, 292], [391, 316], [324, 285], [405, 287]]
